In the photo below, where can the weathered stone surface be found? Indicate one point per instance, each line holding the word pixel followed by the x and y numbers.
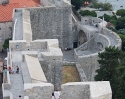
pixel 86 90
pixel 52 22
pixel 39 90
pixel 75 91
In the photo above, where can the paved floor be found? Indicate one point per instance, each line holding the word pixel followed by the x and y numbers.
pixel 68 55
pixel 17 87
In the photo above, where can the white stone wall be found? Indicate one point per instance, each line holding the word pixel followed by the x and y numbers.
pixel 86 90
pixel 5 32
pixel 75 91
pixel 39 90
pixel 21 45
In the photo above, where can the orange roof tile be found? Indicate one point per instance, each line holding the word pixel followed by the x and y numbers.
pixel 6 12
pixel 27 3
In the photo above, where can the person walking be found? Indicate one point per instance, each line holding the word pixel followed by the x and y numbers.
pixel 17 69
pixel 53 96
pixel 57 94
pixel 12 70
pixel 20 97
pixel 9 69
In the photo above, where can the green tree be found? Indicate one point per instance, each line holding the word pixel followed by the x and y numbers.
pixel 6 43
pixel 77 3
pixel 121 12
pixel 85 13
pixel 123 41
pixel 109 61
pixel 107 7
pixel 120 24
pixel 121 79
pixel 93 13
pixel 88 13
pixel 107 17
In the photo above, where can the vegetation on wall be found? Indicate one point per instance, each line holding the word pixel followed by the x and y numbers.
pixel 112 68
pixel 6 43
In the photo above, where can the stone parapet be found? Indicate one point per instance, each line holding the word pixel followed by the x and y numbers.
pixel 39 90
pixel 86 90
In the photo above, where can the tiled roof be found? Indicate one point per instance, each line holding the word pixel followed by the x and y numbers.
pixel 27 3
pixel 6 12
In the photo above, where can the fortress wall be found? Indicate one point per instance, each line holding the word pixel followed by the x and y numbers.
pixel 38 90
pixel 27 31
pixel 18 45
pixel 21 45
pixel 75 91
pixel 5 32
pixel 51 23
pixel 39 45
pixel 89 63
pixel 99 43
pixel 52 67
pixel 86 90
pixel 114 36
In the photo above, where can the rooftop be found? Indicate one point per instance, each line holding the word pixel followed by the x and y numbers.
pixel 6 10
pixel 27 3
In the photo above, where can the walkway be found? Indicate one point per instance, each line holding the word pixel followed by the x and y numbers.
pixel 113 41
pixel 18 27
pixel 17 86
pixel 68 56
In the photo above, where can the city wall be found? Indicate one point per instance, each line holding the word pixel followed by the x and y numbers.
pixel 51 23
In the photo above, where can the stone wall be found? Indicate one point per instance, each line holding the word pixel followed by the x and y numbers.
pixel 117 40
pixel 89 62
pixel 39 90
pixel 21 45
pixel 52 67
pixel 52 22
pixel 75 91
pixel 5 32
pixel 86 90
pixel 27 31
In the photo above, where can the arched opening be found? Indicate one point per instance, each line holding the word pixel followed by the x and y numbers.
pixel 82 37
pixel 99 46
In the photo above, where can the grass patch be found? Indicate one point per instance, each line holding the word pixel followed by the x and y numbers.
pixel 70 74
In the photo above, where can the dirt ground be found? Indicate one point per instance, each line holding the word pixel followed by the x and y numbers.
pixel 70 74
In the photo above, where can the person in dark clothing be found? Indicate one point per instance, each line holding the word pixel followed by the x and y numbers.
pixel 17 70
